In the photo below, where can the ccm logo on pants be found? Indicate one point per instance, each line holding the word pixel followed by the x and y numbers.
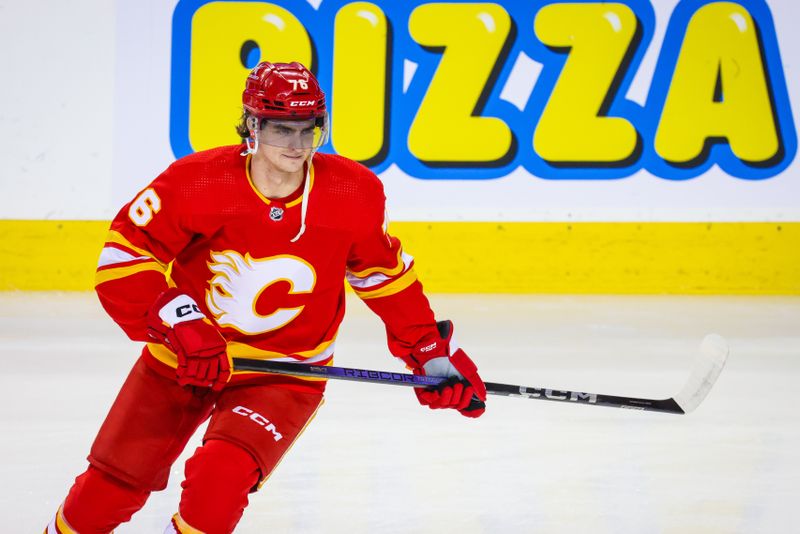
pixel 259 419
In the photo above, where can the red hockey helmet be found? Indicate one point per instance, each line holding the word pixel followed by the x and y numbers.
pixel 285 91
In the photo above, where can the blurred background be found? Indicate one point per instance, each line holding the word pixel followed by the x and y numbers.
pixel 588 188
pixel 541 147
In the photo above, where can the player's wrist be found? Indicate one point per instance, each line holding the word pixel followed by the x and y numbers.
pixel 432 353
pixel 175 306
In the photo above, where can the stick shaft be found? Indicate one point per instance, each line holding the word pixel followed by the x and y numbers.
pixel 404 379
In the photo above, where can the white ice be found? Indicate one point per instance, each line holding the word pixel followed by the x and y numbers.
pixel 375 461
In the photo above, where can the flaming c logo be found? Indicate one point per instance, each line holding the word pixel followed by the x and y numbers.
pixel 238 281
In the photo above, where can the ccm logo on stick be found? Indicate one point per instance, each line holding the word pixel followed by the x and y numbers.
pixel 575 396
pixel 259 419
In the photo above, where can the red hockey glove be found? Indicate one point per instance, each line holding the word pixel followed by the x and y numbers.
pixel 464 390
pixel 176 321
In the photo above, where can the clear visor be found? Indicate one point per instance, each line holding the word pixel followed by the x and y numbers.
pixel 303 134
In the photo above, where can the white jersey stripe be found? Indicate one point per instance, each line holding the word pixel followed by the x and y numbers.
pixel 377 278
pixel 111 256
pixel 324 355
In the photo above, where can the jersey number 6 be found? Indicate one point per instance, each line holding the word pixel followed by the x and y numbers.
pixel 144 207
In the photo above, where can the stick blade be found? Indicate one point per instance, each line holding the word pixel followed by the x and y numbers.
pixel 713 355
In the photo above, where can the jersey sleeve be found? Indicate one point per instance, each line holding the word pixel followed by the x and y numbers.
pixel 383 276
pixel 144 238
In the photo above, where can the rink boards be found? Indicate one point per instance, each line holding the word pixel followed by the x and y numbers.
pixel 504 257
pixel 501 173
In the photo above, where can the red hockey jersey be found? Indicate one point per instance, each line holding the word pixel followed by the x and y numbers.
pixel 203 226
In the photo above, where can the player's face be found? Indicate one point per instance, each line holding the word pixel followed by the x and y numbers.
pixel 287 144
pixel 291 134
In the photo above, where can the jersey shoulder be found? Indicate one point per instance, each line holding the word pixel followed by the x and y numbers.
pixel 206 164
pixel 203 175
pixel 346 181
pixel 349 194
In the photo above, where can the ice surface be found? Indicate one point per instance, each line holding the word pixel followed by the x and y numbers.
pixel 374 461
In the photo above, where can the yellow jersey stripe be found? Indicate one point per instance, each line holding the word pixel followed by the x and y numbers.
pixel 163 354
pixel 184 527
pixel 61 523
pixel 116 273
pixel 167 357
pixel 391 288
pixel 394 271
pixel 236 350
pixel 118 238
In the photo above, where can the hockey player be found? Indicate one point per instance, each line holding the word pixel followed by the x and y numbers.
pixel 242 251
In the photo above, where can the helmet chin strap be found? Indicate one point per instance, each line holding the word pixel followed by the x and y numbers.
pixel 304 204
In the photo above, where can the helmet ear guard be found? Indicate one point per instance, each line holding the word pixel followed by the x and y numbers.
pixel 252 127
pixel 252 124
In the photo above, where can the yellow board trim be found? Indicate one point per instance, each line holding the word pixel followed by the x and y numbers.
pixel 622 258
pixel 50 255
pixel 598 258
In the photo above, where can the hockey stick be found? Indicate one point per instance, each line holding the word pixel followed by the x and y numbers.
pixel 713 353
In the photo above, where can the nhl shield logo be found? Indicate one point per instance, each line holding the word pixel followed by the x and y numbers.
pixel 275 213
